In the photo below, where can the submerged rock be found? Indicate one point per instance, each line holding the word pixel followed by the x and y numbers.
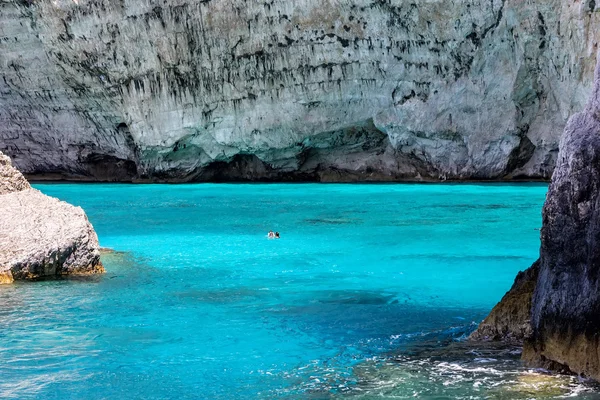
pixel 41 236
pixel 460 370
pixel 564 311
pixel 327 90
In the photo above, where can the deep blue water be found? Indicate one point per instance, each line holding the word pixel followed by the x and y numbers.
pixel 366 284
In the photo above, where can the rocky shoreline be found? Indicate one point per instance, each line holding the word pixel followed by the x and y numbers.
pixel 41 236
pixel 553 308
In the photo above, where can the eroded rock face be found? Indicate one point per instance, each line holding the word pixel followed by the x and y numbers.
pixel 11 180
pixel 41 236
pixel 566 304
pixel 559 297
pixel 310 89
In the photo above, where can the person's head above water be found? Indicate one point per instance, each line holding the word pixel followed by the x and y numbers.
pixel 277 235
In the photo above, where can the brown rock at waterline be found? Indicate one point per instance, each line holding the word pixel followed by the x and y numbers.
pixel 510 320
pixel 41 236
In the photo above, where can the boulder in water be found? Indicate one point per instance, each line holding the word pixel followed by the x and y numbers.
pixel 41 236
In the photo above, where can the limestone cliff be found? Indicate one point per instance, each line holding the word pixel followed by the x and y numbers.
pixel 41 236
pixel 304 89
pixel 559 296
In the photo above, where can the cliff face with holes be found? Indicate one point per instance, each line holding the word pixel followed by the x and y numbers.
pixel 305 89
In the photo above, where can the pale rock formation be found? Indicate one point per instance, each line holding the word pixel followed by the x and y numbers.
pixel 306 89
pixel 41 236
pixel 11 180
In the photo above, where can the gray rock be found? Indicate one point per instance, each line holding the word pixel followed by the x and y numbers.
pixel 183 90
pixel 566 304
pixel 41 236
pixel 559 296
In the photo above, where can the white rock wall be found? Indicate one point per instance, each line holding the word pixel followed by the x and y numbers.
pixel 304 89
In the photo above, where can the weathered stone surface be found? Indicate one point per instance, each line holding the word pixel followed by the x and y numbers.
pixel 41 236
pixel 510 320
pixel 564 311
pixel 11 180
pixel 566 304
pixel 178 89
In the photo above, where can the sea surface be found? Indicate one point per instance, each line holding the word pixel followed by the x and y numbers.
pixel 369 293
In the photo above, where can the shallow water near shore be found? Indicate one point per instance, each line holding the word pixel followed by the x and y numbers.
pixel 369 294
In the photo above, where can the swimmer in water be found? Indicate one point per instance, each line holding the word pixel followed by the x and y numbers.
pixel 277 235
pixel 271 235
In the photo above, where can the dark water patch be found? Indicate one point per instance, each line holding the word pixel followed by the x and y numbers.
pixel 475 206
pixel 376 320
pixel 184 205
pixel 332 221
pixel 421 222
pixel 222 296
pixel 357 297
pixel 450 258
pixel 141 336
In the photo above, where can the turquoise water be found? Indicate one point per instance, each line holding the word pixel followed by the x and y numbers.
pixel 365 287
